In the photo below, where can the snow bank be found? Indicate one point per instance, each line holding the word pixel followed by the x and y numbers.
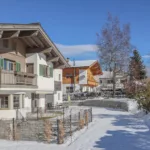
pixel 132 106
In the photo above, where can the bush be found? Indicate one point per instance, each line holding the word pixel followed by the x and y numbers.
pixel 143 97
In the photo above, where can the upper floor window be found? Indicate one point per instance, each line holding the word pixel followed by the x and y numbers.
pixel 5 43
pixel 101 81
pixel 30 68
pixel 8 65
pixel 45 71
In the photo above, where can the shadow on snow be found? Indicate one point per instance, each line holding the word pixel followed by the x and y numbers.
pixel 134 135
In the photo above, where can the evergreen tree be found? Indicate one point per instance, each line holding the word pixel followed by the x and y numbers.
pixel 137 68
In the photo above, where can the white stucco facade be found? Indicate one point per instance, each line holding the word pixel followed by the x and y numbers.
pixel 45 86
pixel 78 88
pixel 58 94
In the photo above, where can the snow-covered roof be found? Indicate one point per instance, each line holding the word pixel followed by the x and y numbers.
pixel 109 75
pixel 81 63
pixel 106 74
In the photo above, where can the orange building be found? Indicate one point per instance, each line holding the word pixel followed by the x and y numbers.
pixel 80 78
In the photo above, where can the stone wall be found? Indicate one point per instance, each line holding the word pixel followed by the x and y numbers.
pixel 100 103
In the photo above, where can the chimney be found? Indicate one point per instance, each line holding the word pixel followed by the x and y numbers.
pixel 68 60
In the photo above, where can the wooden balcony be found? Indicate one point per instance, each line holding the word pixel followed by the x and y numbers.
pixel 17 79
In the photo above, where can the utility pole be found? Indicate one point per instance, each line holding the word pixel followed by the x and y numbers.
pixel 74 73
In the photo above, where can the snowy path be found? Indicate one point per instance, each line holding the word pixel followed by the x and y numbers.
pixel 110 130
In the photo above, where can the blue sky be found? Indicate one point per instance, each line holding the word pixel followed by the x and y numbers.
pixel 73 24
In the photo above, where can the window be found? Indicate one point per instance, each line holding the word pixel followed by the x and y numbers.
pixel 69 89
pixel 45 71
pixel 59 77
pixel 30 68
pixel 8 65
pixel 101 81
pixel 5 64
pixel 5 43
pixel 122 81
pixel 109 81
pixel 16 101
pixel 3 101
pixel 58 96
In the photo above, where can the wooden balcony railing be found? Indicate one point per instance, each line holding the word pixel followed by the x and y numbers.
pixel 17 78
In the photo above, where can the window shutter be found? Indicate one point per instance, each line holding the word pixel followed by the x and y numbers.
pixel 1 63
pixel 51 72
pixel 18 67
pixel 40 70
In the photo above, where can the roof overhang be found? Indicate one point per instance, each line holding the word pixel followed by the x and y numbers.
pixel 36 41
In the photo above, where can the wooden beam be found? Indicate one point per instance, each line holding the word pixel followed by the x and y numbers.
pixel 35 33
pixel 48 50
pixel 34 50
pixel 37 40
pixel 54 59
pixel 27 42
pixel 59 66
pixel 33 42
pixel 38 50
pixel 16 34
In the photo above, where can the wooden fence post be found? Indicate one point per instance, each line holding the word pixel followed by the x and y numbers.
pixel 63 116
pixel 86 118
pixel 37 113
pixel 91 115
pixel 70 126
pixel 13 121
pixel 79 117
pixel 58 131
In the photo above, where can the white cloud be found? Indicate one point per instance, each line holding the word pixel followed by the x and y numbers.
pixel 71 50
pixel 146 56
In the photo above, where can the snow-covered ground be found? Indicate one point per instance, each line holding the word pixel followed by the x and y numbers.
pixel 110 130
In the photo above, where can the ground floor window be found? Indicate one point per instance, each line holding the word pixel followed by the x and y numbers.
pixel 69 89
pixel 3 101
pixel 16 101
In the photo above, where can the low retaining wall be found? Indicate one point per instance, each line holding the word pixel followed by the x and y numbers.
pixel 100 103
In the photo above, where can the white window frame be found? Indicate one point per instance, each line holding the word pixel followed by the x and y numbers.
pixel 17 101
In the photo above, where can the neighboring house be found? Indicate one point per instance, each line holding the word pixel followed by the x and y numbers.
pixel 106 80
pixel 30 70
pixel 80 78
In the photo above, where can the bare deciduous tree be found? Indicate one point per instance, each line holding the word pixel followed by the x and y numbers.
pixel 114 47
